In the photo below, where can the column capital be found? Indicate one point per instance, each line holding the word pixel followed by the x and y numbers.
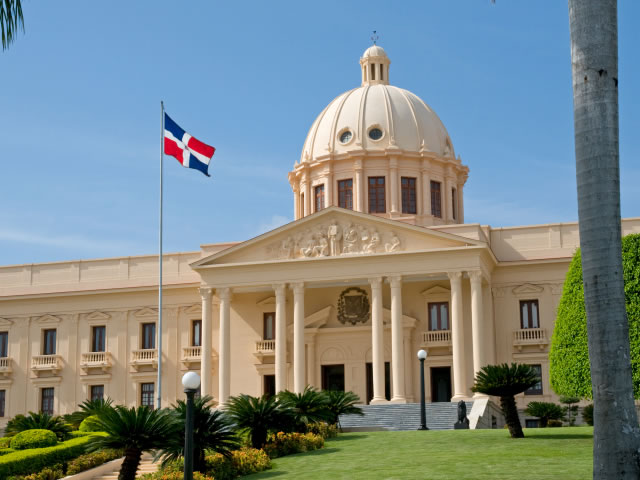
pixel 279 288
pixel 297 287
pixel 475 276
pixel 224 293
pixel 206 292
pixel 375 282
pixel 395 281
pixel 454 276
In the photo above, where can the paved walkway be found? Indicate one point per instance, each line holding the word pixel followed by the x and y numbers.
pixel 146 466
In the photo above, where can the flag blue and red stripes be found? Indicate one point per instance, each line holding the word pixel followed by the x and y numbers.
pixel 189 151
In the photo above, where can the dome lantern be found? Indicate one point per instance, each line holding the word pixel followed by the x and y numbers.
pixel 375 66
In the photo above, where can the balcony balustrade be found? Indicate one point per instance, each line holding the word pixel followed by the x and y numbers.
pixel 144 357
pixel 46 363
pixel 191 355
pixel 436 338
pixel 6 366
pixel 101 360
pixel 530 336
pixel 265 348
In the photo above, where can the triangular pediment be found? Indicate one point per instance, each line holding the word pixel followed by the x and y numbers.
pixel 146 312
pixel 336 232
pixel 5 322
pixel 49 319
pixel 98 316
pixel 527 288
pixel 437 290
pixel 266 302
pixel 193 309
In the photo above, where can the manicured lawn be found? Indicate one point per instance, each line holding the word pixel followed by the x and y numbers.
pixel 562 453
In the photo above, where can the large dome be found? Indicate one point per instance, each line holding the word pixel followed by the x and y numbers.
pixel 401 117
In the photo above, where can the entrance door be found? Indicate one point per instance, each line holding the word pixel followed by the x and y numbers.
pixel 387 381
pixel 440 384
pixel 333 377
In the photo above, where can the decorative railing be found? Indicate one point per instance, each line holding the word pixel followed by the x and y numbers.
pixel 147 356
pixel 191 353
pixel 6 365
pixel 46 362
pixel 530 336
pixel 265 346
pixel 95 359
pixel 437 336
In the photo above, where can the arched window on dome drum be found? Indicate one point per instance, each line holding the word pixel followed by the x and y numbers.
pixel 345 193
pixel 377 202
pixel 319 195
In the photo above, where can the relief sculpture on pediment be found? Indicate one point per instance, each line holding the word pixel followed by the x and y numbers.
pixel 335 239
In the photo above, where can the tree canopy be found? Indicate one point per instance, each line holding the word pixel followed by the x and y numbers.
pixel 569 356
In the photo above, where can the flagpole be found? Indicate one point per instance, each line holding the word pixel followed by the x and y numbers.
pixel 159 334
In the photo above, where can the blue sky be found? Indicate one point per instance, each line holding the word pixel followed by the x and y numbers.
pixel 80 113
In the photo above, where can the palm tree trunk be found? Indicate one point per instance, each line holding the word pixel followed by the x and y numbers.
pixel 199 463
pixel 594 58
pixel 510 412
pixel 130 464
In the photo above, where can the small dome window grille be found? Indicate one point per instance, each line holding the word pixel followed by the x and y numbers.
pixel 375 134
pixel 345 137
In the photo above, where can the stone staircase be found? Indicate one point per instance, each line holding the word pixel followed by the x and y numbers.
pixel 146 466
pixel 440 416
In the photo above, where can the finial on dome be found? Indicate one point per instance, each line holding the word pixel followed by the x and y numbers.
pixel 374 37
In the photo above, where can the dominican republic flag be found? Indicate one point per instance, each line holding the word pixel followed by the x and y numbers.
pixel 189 151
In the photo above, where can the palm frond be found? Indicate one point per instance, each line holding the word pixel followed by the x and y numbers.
pixel 10 20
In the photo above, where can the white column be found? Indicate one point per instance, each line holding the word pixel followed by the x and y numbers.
pixel 205 353
pixel 281 338
pixel 393 180
pixel 311 362
pixel 225 344
pixel 457 338
pixel 477 322
pixel 409 359
pixel 308 201
pixel 296 204
pixel 397 341
pixel 446 210
pixel 298 338
pixel 426 191
pixel 359 185
pixel 377 341
pixel 460 203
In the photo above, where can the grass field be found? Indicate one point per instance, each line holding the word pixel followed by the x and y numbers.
pixel 562 453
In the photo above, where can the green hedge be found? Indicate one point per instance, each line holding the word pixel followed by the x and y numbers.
pixel 90 424
pixel 34 438
pixel 5 442
pixel 91 460
pixel 569 355
pixel 25 462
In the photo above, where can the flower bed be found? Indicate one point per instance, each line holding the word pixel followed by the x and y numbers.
pixel 282 444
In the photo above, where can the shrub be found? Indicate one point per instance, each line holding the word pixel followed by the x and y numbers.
pixel 25 462
pixel 6 451
pixel 569 355
pixel 323 429
pixel 43 421
pixel 49 473
pixel 90 460
pixel 249 460
pixel 90 424
pixel 545 411
pixel 4 442
pixel 282 444
pixel 36 438
pixel 554 423
pixel 587 414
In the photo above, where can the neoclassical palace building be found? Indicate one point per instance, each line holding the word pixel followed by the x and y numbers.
pixel 377 264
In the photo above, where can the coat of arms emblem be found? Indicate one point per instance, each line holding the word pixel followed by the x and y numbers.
pixel 353 306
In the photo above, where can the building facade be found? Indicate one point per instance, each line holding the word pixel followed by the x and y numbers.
pixel 377 264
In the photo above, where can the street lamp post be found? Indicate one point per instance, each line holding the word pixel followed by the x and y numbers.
pixel 190 382
pixel 422 355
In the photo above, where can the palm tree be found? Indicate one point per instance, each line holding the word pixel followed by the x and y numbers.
pixel 594 60
pixel 545 411
pixel 212 432
pixel 135 430
pixel 341 403
pixel 506 381
pixel 10 19
pixel 44 421
pixel 258 415
pixel 307 407
pixel 87 409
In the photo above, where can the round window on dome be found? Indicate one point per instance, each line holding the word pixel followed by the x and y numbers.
pixel 375 134
pixel 346 136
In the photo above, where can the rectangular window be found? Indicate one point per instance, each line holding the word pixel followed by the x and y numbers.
pixel 454 203
pixel 46 400
pixel 97 392
pixel 381 76
pixel 49 342
pixel 269 323
pixel 319 191
pixel 345 194
pixel 529 314
pixel 408 195
pixel 196 333
pixel 438 316
pixel 537 388
pixel 146 394
pixel 376 195
pixel 148 335
pixel 98 338
pixel 436 200
pixel 3 396
pixel 4 344
pixel 302 204
pixel 373 71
